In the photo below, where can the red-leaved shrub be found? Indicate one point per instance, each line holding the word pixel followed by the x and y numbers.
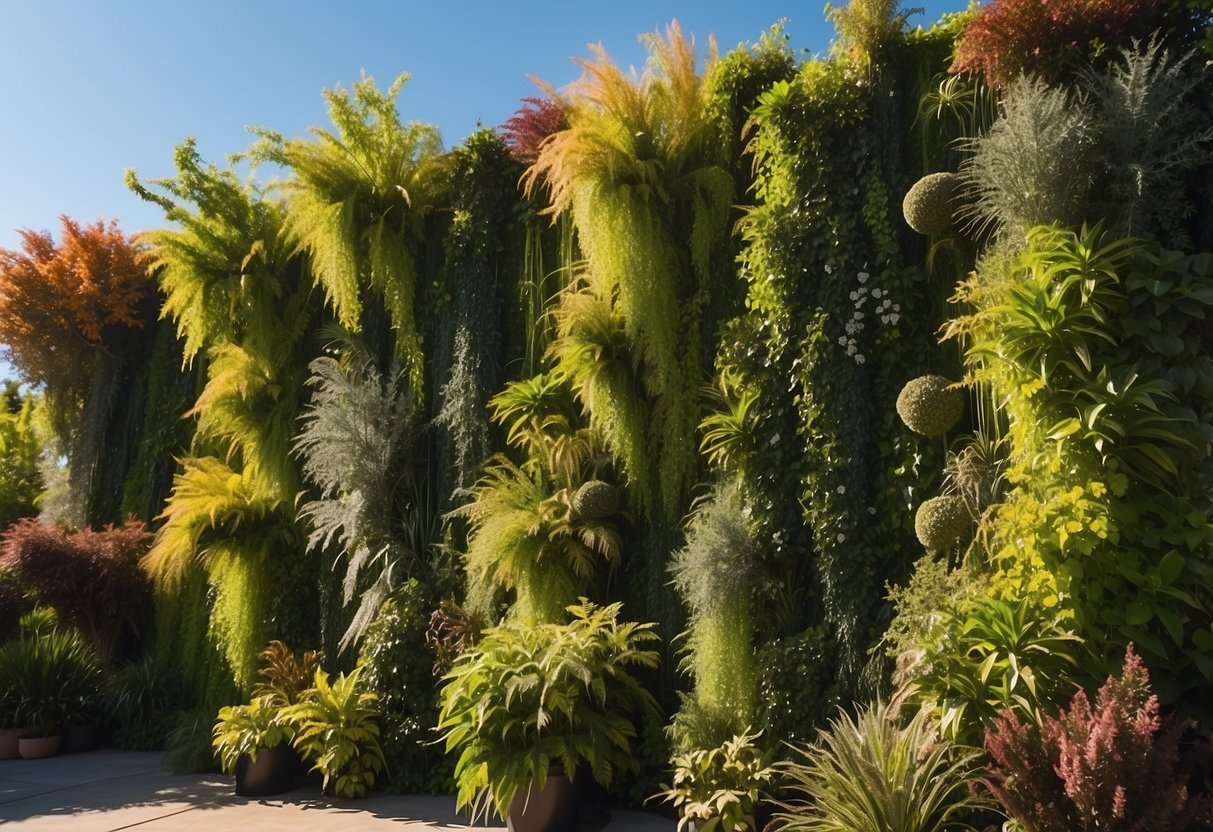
pixel 91 578
pixel 1114 767
pixel 1007 37
pixel 535 120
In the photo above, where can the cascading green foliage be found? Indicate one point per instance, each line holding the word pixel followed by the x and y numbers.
pixel 836 323
pixel 524 533
pixel 353 444
pixel 1099 349
pixel 357 201
pixel 641 170
pixel 234 291
pixel 714 575
pixel 481 248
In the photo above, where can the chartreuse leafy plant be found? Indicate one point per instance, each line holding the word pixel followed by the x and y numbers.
pixel 878 773
pixel 356 202
pixel 718 788
pixel 337 730
pixel 236 293
pixel 525 533
pixel 527 697
pixel 20 479
pixel 641 169
pixel 243 730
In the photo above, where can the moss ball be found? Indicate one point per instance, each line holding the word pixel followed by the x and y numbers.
pixel 930 405
pixel 930 204
pixel 940 522
pixel 596 499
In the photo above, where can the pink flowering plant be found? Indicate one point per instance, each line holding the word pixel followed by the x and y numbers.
pixel 1112 767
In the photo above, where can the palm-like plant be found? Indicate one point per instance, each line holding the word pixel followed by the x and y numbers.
pixel 357 201
pixel 639 168
pixel 876 774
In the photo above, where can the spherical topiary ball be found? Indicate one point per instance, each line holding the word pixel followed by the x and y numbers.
pixel 940 522
pixel 930 405
pixel 596 499
pixel 929 205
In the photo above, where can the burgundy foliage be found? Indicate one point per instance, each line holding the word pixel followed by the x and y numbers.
pixel 91 578
pixel 534 121
pixel 1112 767
pixel 1007 37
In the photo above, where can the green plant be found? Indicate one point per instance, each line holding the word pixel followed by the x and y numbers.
pixel 337 729
pixel 877 773
pixel 245 729
pixel 1114 766
pixel 20 480
pixel 55 676
pixel 930 405
pixel 526 697
pixel 941 522
pixel 867 28
pixel 930 204
pixel 141 699
pixel 14 603
pixel 398 666
pixel 714 575
pixel 718 788
pixel 993 655
pixel 189 742
pixel 796 685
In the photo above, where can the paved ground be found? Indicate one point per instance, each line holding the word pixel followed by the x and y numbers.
pixel 104 791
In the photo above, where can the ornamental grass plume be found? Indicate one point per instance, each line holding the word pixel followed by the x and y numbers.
pixel 1114 767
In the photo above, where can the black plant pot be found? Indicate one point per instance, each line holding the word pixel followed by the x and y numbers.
pixel 552 808
pixel 272 773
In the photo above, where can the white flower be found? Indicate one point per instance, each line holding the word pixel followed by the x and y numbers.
pixel 863 277
pixel 841 537
pixel 859 359
pixel 842 489
pixel 774 439
pixel 828 269
pixel 894 318
pixel 871 509
pixel 875 293
pixel 854 296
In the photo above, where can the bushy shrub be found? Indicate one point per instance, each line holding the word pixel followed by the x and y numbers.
pixel 930 204
pixel 930 405
pixel 1005 38
pixel 941 522
pixel 1113 767
pixel 398 665
pixel 91 578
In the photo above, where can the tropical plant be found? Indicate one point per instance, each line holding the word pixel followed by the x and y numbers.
pixel 243 730
pixel 718 788
pixel 352 443
pixel 526 697
pixel 91 578
pixel 357 201
pixel 54 677
pixel 640 168
pixel 20 478
pixel 285 675
pixel 877 773
pixel 337 730
pixel 714 574
pixel 994 655
pixel 1112 766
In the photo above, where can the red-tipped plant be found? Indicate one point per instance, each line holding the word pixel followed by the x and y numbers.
pixel 527 129
pixel 1112 767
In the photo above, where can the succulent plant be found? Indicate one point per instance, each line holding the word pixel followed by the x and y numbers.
pixel 596 499
pixel 941 521
pixel 930 204
pixel 930 405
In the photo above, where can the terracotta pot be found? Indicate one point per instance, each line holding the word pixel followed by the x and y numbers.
pixel 8 742
pixel 273 772
pixel 550 809
pixel 37 748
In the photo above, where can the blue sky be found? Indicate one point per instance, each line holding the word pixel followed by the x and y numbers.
pixel 93 88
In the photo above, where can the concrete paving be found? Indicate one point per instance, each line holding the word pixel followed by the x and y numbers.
pixel 105 791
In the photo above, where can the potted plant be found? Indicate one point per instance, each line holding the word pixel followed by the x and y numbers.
pixel 253 742
pixel 719 787
pixel 528 705
pixel 337 729
pixel 53 674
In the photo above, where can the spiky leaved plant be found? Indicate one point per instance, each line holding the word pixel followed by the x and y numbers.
pixel 352 446
pixel 641 170
pixel 235 293
pixel 714 575
pixel 357 200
